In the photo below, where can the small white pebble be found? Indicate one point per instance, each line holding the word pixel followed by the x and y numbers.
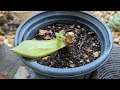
pixel 78 26
pixel 72 65
pixel 81 61
pixel 70 61
pixel 72 26
pixel 93 44
pixel 88 60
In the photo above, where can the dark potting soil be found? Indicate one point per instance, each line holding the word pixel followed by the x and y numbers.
pixel 84 49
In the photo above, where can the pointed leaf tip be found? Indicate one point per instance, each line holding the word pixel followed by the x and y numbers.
pixel 39 48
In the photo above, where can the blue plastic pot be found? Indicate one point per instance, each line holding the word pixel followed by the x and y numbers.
pixel 30 27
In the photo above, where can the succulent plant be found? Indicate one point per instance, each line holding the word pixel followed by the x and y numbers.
pixel 40 48
pixel 114 22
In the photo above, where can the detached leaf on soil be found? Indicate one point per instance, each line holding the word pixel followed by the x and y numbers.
pixel 40 48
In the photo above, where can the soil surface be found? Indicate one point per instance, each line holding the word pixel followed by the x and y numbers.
pixel 84 49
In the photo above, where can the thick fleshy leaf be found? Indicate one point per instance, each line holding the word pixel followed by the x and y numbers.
pixel 40 48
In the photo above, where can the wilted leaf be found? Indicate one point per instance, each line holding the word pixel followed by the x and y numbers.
pixel 40 48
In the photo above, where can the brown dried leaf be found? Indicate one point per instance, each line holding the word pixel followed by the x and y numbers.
pixel 85 56
pixel 47 37
pixel 45 58
pixel 96 54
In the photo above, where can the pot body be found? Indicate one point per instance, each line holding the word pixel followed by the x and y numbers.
pixel 31 26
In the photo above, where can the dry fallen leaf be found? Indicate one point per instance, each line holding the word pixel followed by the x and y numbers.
pixel 45 58
pixel 47 37
pixel 42 32
pixel 96 54
pixel 85 56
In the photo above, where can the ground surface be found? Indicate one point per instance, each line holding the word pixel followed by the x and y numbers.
pixel 9 62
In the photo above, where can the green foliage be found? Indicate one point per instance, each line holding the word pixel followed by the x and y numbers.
pixel 114 22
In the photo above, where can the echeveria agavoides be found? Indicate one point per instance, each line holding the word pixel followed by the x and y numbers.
pixel 40 48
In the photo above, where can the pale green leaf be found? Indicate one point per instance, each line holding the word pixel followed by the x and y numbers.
pixel 40 48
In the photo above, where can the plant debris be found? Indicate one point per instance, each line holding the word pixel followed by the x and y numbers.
pixel 47 37
pixel 42 32
pixel 96 54
pixel 84 46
